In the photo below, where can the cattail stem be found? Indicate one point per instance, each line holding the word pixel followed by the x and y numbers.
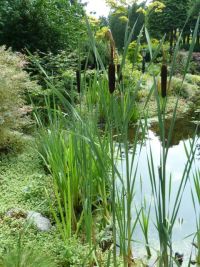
pixel 164 80
pixel 78 80
pixel 119 74
pixel 111 77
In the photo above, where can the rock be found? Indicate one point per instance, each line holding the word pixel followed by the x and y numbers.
pixel 42 223
pixel 16 213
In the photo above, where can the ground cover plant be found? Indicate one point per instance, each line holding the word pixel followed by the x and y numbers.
pixel 80 169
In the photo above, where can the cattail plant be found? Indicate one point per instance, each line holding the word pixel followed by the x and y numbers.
pixel 111 77
pixel 111 67
pixel 164 76
pixel 78 80
pixel 164 80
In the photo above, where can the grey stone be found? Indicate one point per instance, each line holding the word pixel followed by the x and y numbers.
pixel 39 221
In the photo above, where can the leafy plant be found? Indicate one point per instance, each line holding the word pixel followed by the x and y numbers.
pixel 40 25
pixel 14 84
pixel 25 256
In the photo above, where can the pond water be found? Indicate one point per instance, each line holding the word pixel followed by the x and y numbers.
pixel 185 225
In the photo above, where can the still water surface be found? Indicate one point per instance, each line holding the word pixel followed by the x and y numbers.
pixel 185 225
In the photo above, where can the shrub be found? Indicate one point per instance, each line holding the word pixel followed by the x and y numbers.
pixel 132 51
pixel 14 83
pixel 193 79
pixel 181 60
pixel 43 25
pixel 55 66
pixel 185 90
pixel 154 45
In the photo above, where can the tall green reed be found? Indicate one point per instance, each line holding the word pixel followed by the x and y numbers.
pixel 166 212
pixel 196 203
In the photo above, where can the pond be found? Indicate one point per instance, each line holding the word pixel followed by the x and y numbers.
pixel 185 225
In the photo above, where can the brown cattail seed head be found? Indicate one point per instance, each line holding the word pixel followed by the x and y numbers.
pixel 78 80
pixel 111 77
pixel 119 74
pixel 164 80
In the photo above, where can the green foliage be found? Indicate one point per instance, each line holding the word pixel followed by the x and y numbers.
pixel 13 85
pixel 132 52
pixel 56 66
pixel 185 90
pixel 171 18
pixel 176 16
pixel 154 47
pixel 23 180
pixel 181 60
pixel 40 25
pixel 193 79
pixel 22 256
pixel 118 24
pixel 78 178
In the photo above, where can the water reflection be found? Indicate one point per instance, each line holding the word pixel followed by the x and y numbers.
pixel 184 129
pixel 185 225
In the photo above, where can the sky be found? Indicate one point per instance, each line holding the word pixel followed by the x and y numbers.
pixel 98 6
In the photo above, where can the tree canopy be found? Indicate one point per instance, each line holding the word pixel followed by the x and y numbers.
pixel 173 18
pixel 118 19
pixel 45 25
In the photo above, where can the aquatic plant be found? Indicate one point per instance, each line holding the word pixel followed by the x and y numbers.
pixel 164 80
pixel 196 202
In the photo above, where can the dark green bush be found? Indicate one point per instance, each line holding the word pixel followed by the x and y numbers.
pixel 46 25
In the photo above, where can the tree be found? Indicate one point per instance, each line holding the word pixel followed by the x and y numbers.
pixel 194 13
pixel 167 22
pixel 45 25
pixel 103 21
pixel 118 21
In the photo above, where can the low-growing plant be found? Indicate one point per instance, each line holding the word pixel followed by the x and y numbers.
pixel 25 256
pixel 193 79
pixel 183 89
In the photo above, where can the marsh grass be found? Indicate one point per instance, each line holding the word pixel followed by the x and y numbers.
pixel 196 203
